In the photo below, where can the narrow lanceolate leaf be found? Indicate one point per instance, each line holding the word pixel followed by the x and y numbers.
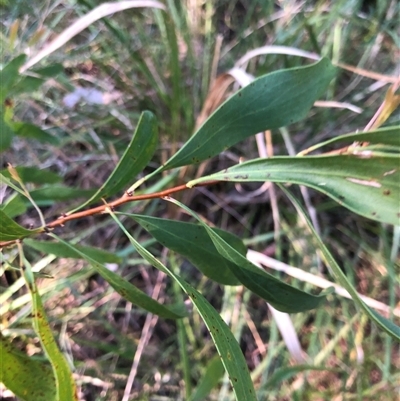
pixel 225 342
pixel 192 241
pixel 10 230
pixel 133 161
pixel 271 101
pixel 388 137
pixel 280 295
pixel 367 185
pixel 65 385
pixel 28 378
pixel 387 325
pixel 125 288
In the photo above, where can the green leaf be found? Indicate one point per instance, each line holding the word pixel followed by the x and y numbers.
pixel 387 325
pixel 213 374
pixel 389 136
pixel 27 84
pixel 280 295
pixel 59 193
pixel 28 378
pixel 133 161
pixel 369 186
pixel 126 289
pixel 271 101
pixel 27 130
pixel 10 230
pixel 50 71
pixel 9 76
pixel 6 181
pixel 34 174
pixel 225 342
pixel 65 385
pixel 14 206
pixel 63 251
pixel 192 241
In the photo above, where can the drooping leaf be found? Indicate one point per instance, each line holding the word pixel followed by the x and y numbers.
pixel 10 230
pixel 280 295
pixel 34 174
pixel 65 385
pixel 387 325
pixel 28 378
pixel 271 101
pixel 125 288
pixel 63 251
pixel 133 161
pixel 192 241
pixel 369 186
pixel 225 342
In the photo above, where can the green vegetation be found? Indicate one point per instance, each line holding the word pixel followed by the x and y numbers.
pixel 200 200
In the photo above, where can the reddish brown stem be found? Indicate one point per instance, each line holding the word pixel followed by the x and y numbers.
pixel 102 209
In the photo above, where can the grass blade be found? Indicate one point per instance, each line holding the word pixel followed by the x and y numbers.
pixel 127 290
pixel 82 23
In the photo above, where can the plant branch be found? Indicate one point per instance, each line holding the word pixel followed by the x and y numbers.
pixel 126 198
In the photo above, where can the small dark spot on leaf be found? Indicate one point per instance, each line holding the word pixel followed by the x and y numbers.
pixel 386 192
pixel 373 213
